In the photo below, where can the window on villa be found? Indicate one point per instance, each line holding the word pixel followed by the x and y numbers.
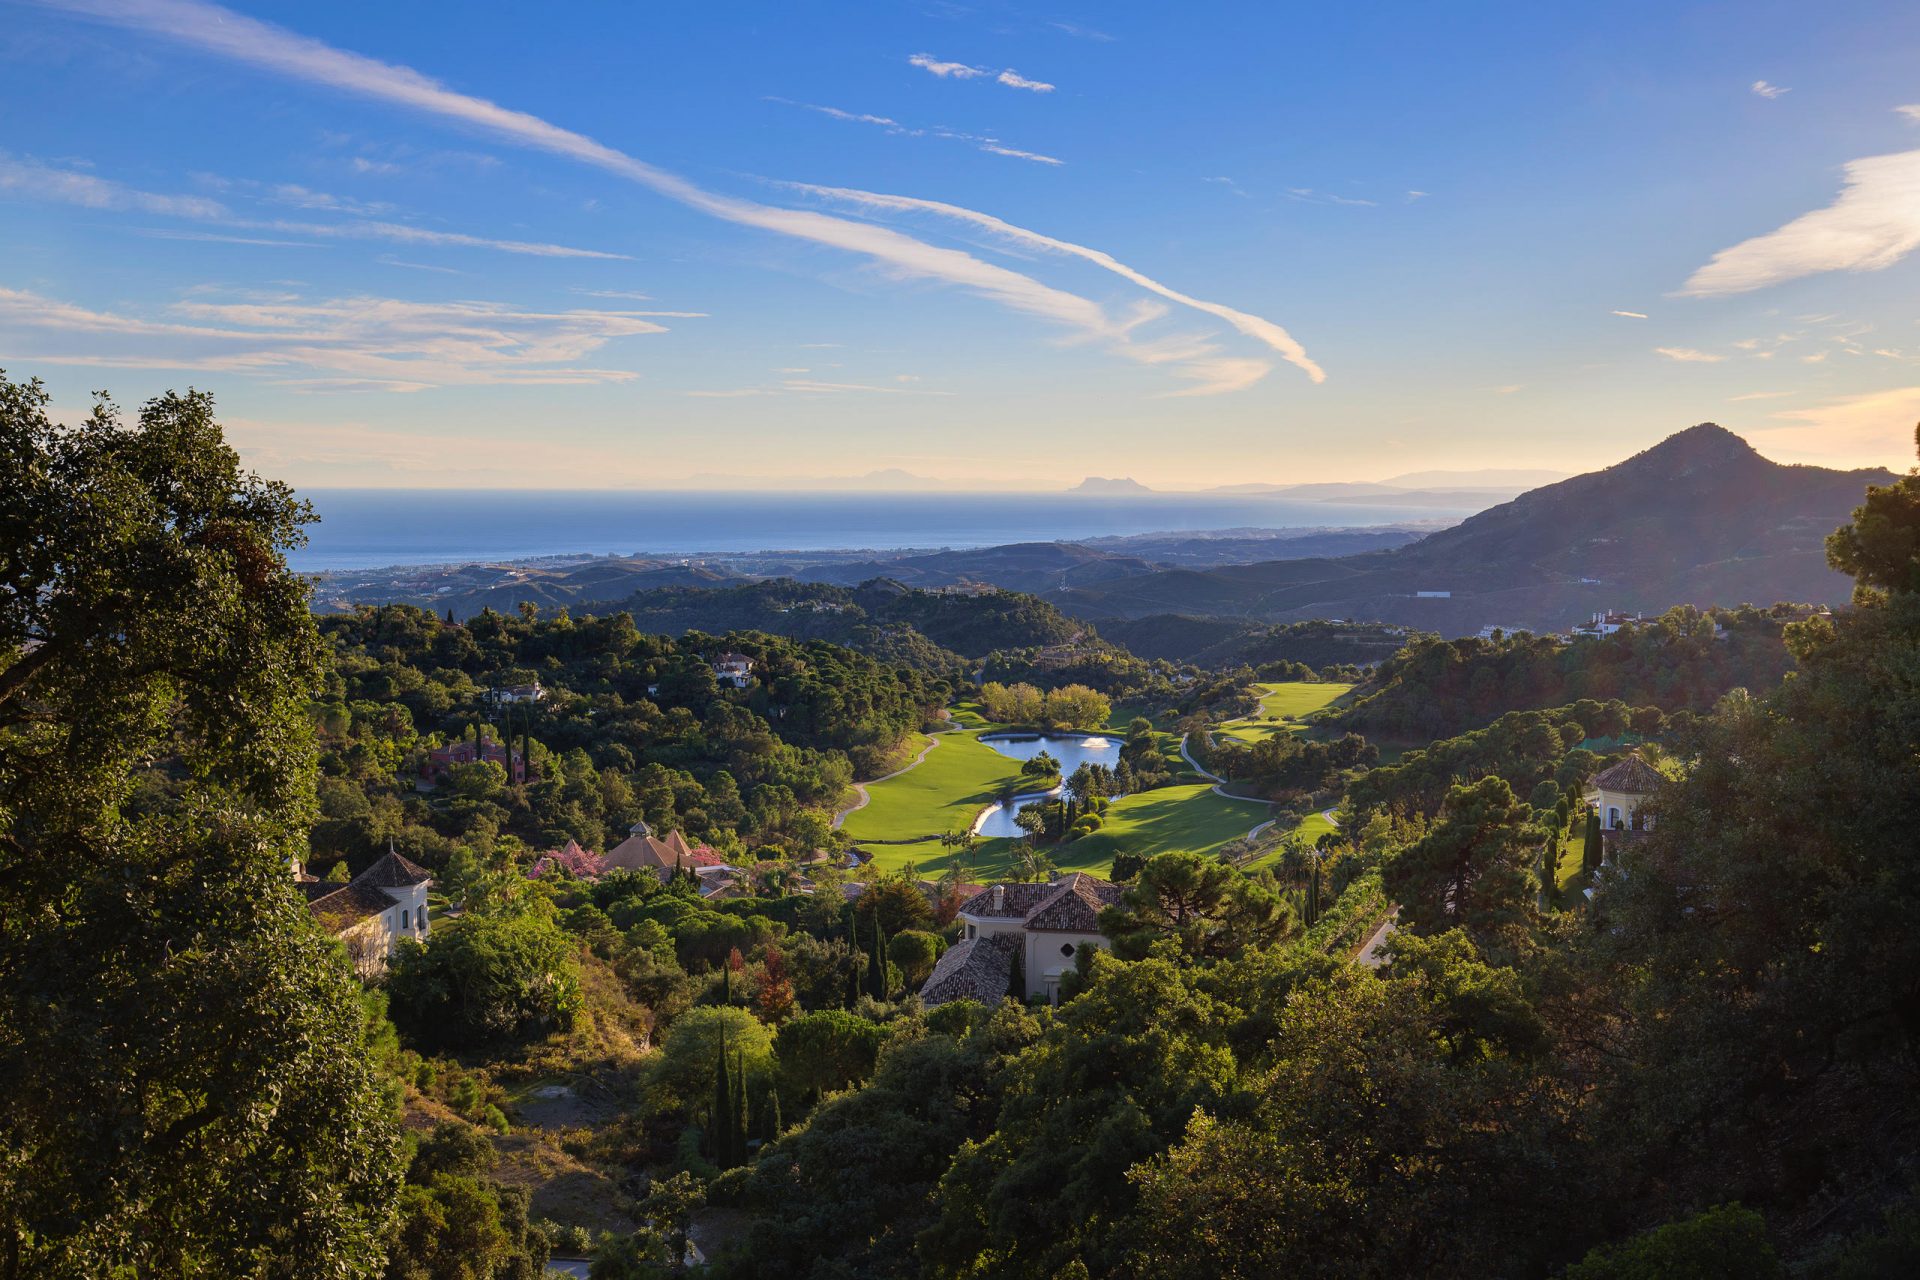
pixel 1066 948
pixel 1613 819
pixel 403 919
pixel 971 931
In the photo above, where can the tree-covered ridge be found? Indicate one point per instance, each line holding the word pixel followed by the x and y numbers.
pixel 1680 661
pixel 632 727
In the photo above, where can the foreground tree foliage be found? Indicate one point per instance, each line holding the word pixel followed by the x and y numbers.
pixel 180 1059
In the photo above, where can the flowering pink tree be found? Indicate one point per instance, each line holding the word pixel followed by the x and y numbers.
pixel 575 861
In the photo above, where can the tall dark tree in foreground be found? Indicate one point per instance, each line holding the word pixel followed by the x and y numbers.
pixel 1763 929
pixel 179 1047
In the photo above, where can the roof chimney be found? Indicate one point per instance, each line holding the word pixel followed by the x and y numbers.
pixel 999 898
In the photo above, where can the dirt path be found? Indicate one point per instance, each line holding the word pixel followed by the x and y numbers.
pixel 933 741
pixel 1219 787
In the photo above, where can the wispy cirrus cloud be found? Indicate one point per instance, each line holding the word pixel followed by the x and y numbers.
pixel 1688 355
pixel 1255 327
pixel 1867 429
pixel 26 179
pixel 1307 195
pixel 966 71
pixel 29 180
pixel 1874 223
pixel 1761 89
pixel 1631 315
pixel 980 142
pixel 351 343
pixel 259 44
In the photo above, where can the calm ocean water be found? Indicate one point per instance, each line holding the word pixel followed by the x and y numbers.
pixel 368 528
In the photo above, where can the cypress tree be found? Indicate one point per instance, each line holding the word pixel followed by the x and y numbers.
pixel 740 1110
pixel 720 1126
pixel 1591 850
pixel 773 1114
pixel 726 984
pixel 877 978
pixel 853 960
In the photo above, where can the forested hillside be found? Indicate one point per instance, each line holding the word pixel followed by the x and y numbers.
pixel 1680 661
pixel 633 727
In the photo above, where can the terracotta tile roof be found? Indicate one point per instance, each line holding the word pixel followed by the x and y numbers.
pixel 975 969
pixel 394 872
pixel 1070 904
pixel 349 904
pixel 1076 907
pixel 1632 775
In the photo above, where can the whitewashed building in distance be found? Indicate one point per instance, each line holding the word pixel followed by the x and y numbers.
pixel 372 912
pixel 734 669
pixel 1039 927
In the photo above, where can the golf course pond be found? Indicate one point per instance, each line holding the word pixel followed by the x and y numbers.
pixel 1071 750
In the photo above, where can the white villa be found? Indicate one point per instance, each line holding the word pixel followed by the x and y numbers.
pixel 372 912
pixel 1042 925
pixel 734 669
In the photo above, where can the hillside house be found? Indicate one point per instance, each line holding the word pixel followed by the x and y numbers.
pixel 372 912
pixel 644 851
pixel 441 760
pixel 1616 794
pixel 735 669
pixel 514 694
pixel 1605 624
pixel 1039 927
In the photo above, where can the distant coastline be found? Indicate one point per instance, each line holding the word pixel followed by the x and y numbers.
pixel 378 528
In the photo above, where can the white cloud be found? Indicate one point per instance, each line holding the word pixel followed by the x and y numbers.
pixel 1870 429
pixel 259 44
pixel 892 126
pixel 955 70
pixel 963 71
pixel 1762 89
pixel 352 343
pixel 1632 315
pixel 998 150
pixel 1759 395
pixel 1510 389
pixel 1415 195
pixel 1873 224
pixel 33 181
pixel 1014 80
pixel 1687 355
pixel 1230 185
pixel 64 186
pixel 1307 195
pixel 1256 327
pixel 1911 113
pixel 1080 32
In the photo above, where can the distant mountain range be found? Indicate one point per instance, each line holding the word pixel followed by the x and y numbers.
pixel 1700 518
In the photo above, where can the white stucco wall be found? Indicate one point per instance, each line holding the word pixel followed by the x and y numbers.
pixel 1044 962
pixel 1617 808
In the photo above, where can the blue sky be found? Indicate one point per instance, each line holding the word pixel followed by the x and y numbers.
pixel 619 245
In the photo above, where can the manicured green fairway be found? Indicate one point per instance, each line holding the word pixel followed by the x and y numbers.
pixel 1282 706
pixel 943 793
pixel 1183 817
pixel 1312 828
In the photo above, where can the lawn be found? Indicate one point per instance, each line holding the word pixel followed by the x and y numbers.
pixel 1314 826
pixel 1282 707
pixel 943 793
pixel 1184 817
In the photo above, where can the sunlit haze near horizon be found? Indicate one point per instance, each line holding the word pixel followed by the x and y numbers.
pixel 986 246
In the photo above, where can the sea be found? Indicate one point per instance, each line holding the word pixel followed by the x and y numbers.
pixel 375 528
